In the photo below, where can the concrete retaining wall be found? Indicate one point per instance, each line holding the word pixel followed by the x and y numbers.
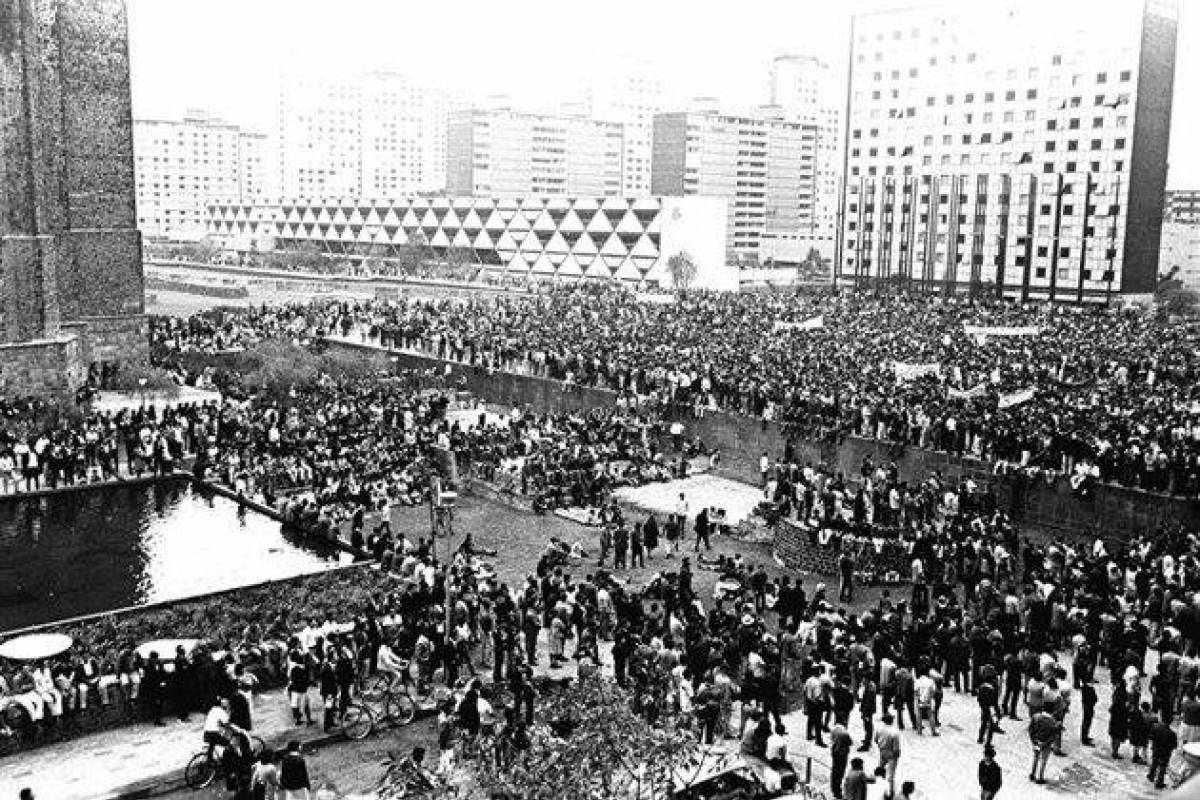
pixel 1114 512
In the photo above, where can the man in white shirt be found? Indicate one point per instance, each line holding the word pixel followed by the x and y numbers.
pixel 390 664
pixel 217 726
pixel 925 690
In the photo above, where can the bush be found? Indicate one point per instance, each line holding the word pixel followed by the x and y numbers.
pixel 339 595
pixel 130 377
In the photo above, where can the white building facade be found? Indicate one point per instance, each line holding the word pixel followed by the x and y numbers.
pixel 564 238
pixel 1180 253
pixel 1018 148
pixel 631 98
pixel 181 166
pixel 763 166
pixel 807 89
pixel 376 135
pixel 501 152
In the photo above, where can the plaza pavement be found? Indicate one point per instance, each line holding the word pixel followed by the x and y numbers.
pixel 142 760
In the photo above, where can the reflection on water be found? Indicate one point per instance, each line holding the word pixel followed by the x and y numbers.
pixel 74 553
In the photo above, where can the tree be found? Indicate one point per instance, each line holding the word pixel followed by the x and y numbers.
pixel 276 366
pixel 412 255
pixel 682 270
pixel 372 258
pixel 587 743
pixel 814 267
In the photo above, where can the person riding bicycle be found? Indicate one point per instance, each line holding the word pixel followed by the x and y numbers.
pixel 218 730
pixel 388 663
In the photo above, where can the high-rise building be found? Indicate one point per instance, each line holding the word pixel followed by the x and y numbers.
pixel 762 165
pixel 376 135
pixel 1180 254
pixel 806 89
pixel 1183 206
pixel 1016 147
pixel 503 153
pixel 182 165
pixel 631 97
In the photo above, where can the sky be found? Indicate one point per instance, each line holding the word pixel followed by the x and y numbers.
pixel 227 56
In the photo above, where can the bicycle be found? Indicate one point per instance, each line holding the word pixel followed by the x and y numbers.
pixel 394 704
pixel 209 764
pixel 357 722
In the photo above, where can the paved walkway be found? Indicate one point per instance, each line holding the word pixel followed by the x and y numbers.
pixel 738 499
pixel 122 760
pixel 125 760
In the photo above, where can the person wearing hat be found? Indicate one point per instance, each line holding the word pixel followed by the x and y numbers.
pixel 990 775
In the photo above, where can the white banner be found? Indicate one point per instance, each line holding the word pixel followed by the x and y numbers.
pixel 807 325
pixel 910 372
pixel 968 394
pixel 981 330
pixel 1016 398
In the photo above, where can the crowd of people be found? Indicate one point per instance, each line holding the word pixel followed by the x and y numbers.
pixel 1093 393
pixel 1022 627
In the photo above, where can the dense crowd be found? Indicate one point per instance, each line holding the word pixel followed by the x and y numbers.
pixel 1022 627
pixel 1095 393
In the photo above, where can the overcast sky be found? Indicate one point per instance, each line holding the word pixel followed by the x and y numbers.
pixel 227 56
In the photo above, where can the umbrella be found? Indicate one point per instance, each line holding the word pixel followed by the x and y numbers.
pixel 166 647
pixel 35 646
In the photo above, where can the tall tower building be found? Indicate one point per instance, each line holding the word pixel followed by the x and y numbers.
pixel 631 98
pixel 762 165
pixel 182 165
pixel 377 135
pixel 1017 148
pixel 502 153
pixel 806 89
pixel 71 293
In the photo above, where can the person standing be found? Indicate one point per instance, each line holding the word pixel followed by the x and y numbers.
pixel 1163 742
pixel 887 739
pixel 637 548
pixel 620 546
pixel 703 530
pixel 293 774
pixel 986 695
pixel 1043 732
pixel 814 708
pixel 926 690
pixel 855 785
pixel 867 707
pixel 846 578
pixel 154 681
pixel 1118 718
pixel 990 776
pixel 264 779
pixel 298 683
pixel 839 748
pixel 1087 697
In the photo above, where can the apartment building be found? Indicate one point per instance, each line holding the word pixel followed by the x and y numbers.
pixel 1018 148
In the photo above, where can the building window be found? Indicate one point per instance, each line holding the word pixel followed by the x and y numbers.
pixel 1126 75
pixel 1102 77
pixel 1073 124
pixel 1119 144
pixel 1051 124
pixel 1097 122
